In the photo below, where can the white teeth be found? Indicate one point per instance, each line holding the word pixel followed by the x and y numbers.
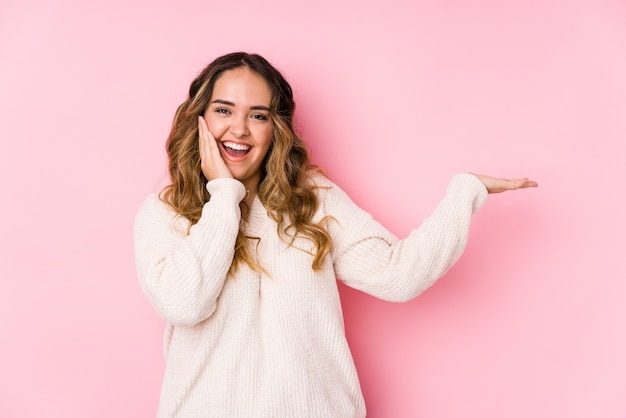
pixel 238 147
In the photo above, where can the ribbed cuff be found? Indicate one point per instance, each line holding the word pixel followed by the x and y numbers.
pixel 466 184
pixel 226 188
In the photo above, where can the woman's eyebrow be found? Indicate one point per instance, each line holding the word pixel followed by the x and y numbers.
pixel 224 102
pixel 227 103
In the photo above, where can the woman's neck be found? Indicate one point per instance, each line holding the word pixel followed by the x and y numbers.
pixel 251 186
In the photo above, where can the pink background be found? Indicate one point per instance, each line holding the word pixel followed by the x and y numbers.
pixel 393 97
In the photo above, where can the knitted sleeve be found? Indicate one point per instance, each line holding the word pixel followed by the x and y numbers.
pixel 368 257
pixel 182 274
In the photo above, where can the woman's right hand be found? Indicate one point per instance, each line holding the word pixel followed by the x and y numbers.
pixel 211 161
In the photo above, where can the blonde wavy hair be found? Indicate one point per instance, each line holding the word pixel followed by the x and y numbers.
pixel 285 189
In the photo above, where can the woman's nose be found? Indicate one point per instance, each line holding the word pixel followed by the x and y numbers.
pixel 239 126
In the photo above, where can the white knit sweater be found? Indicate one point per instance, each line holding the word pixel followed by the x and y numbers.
pixel 259 346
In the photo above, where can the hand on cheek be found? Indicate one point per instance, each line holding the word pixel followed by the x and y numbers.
pixel 212 163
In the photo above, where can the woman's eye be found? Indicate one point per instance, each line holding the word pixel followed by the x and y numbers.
pixel 259 116
pixel 221 110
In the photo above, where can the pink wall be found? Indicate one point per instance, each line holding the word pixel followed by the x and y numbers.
pixel 394 97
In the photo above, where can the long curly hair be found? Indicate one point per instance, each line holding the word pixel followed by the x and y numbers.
pixel 285 188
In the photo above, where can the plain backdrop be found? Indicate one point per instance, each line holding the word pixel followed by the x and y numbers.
pixel 393 97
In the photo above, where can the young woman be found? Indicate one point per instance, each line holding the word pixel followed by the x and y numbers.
pixel 241 252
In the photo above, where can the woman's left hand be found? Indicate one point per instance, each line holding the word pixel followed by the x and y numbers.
pixel 499 185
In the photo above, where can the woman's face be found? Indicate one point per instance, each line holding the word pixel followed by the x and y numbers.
pixel 238 116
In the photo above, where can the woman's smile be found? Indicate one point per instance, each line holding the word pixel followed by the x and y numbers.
pixel 235 150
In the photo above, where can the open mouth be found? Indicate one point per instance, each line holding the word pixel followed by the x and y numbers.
pixel 236 150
